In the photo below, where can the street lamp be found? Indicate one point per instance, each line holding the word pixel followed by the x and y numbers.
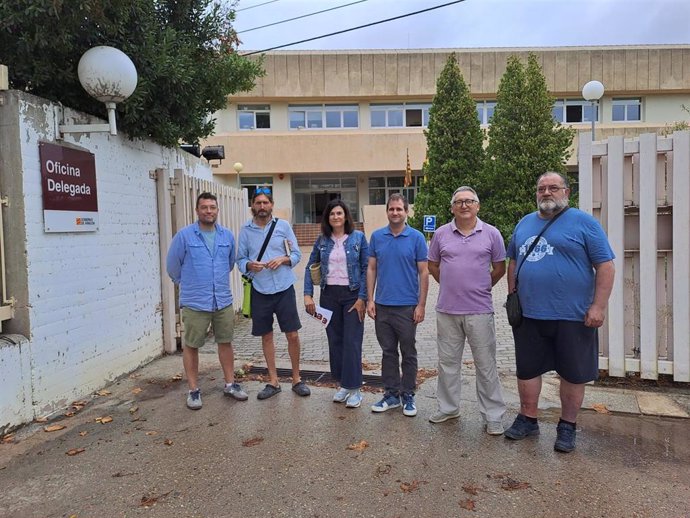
pixel 237 166
pixel 592 92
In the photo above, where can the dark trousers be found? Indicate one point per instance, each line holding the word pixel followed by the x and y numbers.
pixel 395 326
pixel 345 333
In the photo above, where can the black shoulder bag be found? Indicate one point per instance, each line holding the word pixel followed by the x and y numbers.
pixel 513 306
pixel 247 279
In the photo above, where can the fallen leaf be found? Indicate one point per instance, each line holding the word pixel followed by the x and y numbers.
pixel 467 504
pixel 408 487
pixel 149 500
pixel 43 419
pixel 75 451
pixel 600 408
pixel 358 446
pixel 369 366
pixel 152 432
pixel 78 405
pixel 6 439
pixel 133 409
pixel 252 442
pixel 471 489
pixel 342 417
pixel 133 376
pixel 104 419
pixel 168 442
pixel 383 470
pixel 84 433
pixel 136 390
pixel 103 392
pixel 69 414
pixel 176 377
pixel 54 427
pixel 510 484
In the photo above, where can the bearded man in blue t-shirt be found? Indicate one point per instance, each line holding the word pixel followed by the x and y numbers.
pixel 564 287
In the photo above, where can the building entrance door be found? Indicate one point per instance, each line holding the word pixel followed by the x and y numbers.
pixel 320 202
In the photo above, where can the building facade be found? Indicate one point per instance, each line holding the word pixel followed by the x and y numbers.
pixel 327 124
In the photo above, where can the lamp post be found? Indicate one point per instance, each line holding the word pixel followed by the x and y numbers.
pixel 592 92
pixel 237 166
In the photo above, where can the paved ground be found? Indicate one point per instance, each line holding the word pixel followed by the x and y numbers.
pixel 135 450
pixel 315 346
pixel 292 457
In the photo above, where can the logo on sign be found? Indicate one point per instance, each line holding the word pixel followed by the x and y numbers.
pixel 429 223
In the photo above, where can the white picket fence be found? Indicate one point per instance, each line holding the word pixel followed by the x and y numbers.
pixel 640 191
pixel 176 208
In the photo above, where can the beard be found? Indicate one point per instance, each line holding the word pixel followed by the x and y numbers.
pixel 261 213
pixel 551 206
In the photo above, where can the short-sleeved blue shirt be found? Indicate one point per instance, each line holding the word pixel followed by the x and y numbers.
pixel 557 279
pixel 397 276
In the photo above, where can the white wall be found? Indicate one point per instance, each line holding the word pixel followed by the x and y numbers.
pixel 94 297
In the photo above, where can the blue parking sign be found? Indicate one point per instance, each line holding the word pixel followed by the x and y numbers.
pixel 429 223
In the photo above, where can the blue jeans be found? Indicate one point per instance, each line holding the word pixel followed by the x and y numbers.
pixel 395 326
pixel 345 333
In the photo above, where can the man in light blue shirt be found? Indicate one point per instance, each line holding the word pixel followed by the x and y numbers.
pixel 273 289
pixel 199 261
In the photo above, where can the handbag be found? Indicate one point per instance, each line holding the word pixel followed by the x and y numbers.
pixel 247 279
pixel 512 305
pixel 315 273
pixel 315 268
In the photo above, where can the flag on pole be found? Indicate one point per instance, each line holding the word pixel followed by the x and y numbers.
pixel 408 171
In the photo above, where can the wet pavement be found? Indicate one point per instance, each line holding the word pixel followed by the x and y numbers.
pixel 308 457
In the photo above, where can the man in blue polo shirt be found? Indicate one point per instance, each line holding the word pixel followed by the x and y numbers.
pixel 399 271
pixel 200 259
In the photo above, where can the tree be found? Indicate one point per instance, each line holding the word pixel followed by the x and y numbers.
pixel 184 51
pixel 454 146
pixel 524 142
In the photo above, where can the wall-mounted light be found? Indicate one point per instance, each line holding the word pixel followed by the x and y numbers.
pixel 108 75
pixel 194 149
pixel 214 153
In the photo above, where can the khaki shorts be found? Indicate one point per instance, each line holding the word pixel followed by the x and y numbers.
pixel 196 326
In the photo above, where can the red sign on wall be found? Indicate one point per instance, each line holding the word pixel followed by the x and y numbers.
pixel 68 178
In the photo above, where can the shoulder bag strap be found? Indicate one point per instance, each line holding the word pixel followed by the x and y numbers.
pixel 268 238
pixel 534 243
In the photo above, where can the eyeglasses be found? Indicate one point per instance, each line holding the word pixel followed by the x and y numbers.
pixel 262 190
pixel 551 188
pixel 465 203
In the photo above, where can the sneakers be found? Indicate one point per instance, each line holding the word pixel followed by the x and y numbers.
pixel 341 395
pixel 565 437
pixel 268 391
pixel 389 401
pixel 494 427
pixel 409 408
pixel 300 388
pixel 521 428
pixel 440 417
pixel 234 390
pixel 355 399
pixel 194 399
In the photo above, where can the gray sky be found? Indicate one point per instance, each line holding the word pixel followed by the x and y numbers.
pixel 472 23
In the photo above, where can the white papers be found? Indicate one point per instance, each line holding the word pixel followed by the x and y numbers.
pixel 323 315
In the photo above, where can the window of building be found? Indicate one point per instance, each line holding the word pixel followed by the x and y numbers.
pixel 252 183
pixel 485 110
pixel 623 110
pixel 381 188
pixel 254 116
pixel 400 115
pixel 318 116
pixel 572 110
